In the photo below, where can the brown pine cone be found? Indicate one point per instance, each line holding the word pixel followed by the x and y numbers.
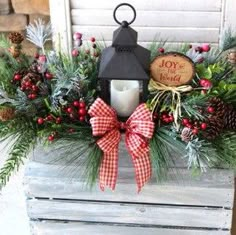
pixel 6 113
pixel 16 37
pixel 230 118
pixel 215 121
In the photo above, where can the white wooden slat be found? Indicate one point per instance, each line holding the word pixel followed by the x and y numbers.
pixel 230 14
pixel 152 18
pixel 161 194
pixel 161 5
pixel 76 228
pixel 141 214
pixel 61 23
pixel 150 33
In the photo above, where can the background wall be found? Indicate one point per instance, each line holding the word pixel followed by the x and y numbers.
pixel 16 14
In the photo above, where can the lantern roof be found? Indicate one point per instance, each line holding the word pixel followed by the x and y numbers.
pixel 124 65
pixel 124 36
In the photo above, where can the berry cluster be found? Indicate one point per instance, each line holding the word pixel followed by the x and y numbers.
pixel 165 117
pixel 194 125
pixel 78 42
pixel 77 110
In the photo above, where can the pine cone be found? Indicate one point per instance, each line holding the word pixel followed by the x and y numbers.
pixel 34 67
pixel 215 121
pixel 6 113
pixel 30 76
pixel 230 118
pixel 186 134
pixel 232 57
pixel 16 37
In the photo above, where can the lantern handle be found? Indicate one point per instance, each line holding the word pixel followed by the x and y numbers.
pixel 124 23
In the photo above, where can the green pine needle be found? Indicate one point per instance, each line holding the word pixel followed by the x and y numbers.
pixel 162 146
pixel 22 146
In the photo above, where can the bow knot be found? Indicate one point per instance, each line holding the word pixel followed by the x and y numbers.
pixel 138 130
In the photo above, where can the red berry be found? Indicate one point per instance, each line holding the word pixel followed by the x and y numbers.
pixel 49 117
pixel 75 52
pixel 161 50
pixel 94 46
pixel 206 47
pixel 87 51
pixel 202 82
pixel 40 121
pixel 77 35
pixel 185 121
pixel 203 126
pixel 76 103
pixel 42 58
pixel 69 110
pixel 82 112
pixel 171 118
pixel 92 39
pixel 195 131
pixel 17 77
pixel 33 96
pixel 22 88
pixel 35 88
pixel 189 126
pixel 58 120
pixel 51 138
pixel 36 55
pixel 48 75
pixel 28 84
pixel 82 118
pixel 164 116
pixel 166 120
pixel 155 116
pixel 82 104
pixel 210 109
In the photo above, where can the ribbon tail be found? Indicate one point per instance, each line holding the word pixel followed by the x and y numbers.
pixel 108 170
pixel 143 170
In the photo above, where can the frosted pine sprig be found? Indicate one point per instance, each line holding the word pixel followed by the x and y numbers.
pixel 39 33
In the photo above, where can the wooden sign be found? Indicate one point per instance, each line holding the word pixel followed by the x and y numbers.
pixel 172 69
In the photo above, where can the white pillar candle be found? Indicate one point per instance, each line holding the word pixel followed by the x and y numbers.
pixel 124 96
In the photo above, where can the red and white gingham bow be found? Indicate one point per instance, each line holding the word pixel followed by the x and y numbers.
pixel 138 130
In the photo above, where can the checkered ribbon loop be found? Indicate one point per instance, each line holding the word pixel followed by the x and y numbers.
pixel 138 130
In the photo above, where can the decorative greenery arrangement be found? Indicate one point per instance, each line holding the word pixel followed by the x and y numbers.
pixel 46 98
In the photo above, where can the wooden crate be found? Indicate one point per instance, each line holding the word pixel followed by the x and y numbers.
pixel 60 204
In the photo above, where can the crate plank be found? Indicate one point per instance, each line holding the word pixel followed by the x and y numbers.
pixel 152 19
pixel 161 5
pixel 178 34
pixel 75 228
pixel 143 214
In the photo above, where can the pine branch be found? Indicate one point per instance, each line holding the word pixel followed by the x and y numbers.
pixel 193 104
pixel 228 40
pixel 23 144
pixel 162 146
pixel 39 33
pixel 201 155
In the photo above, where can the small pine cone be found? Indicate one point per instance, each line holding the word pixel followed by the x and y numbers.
pixel 30 76
pixel 34 67
pixel 186 134
pixel 232 57
pixel 230 118
pixel 6 113
pixel 16 37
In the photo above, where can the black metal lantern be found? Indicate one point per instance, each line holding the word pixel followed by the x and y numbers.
pixel 124 69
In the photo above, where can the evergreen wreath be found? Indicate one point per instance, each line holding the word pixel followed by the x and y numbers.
pixel 45 99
